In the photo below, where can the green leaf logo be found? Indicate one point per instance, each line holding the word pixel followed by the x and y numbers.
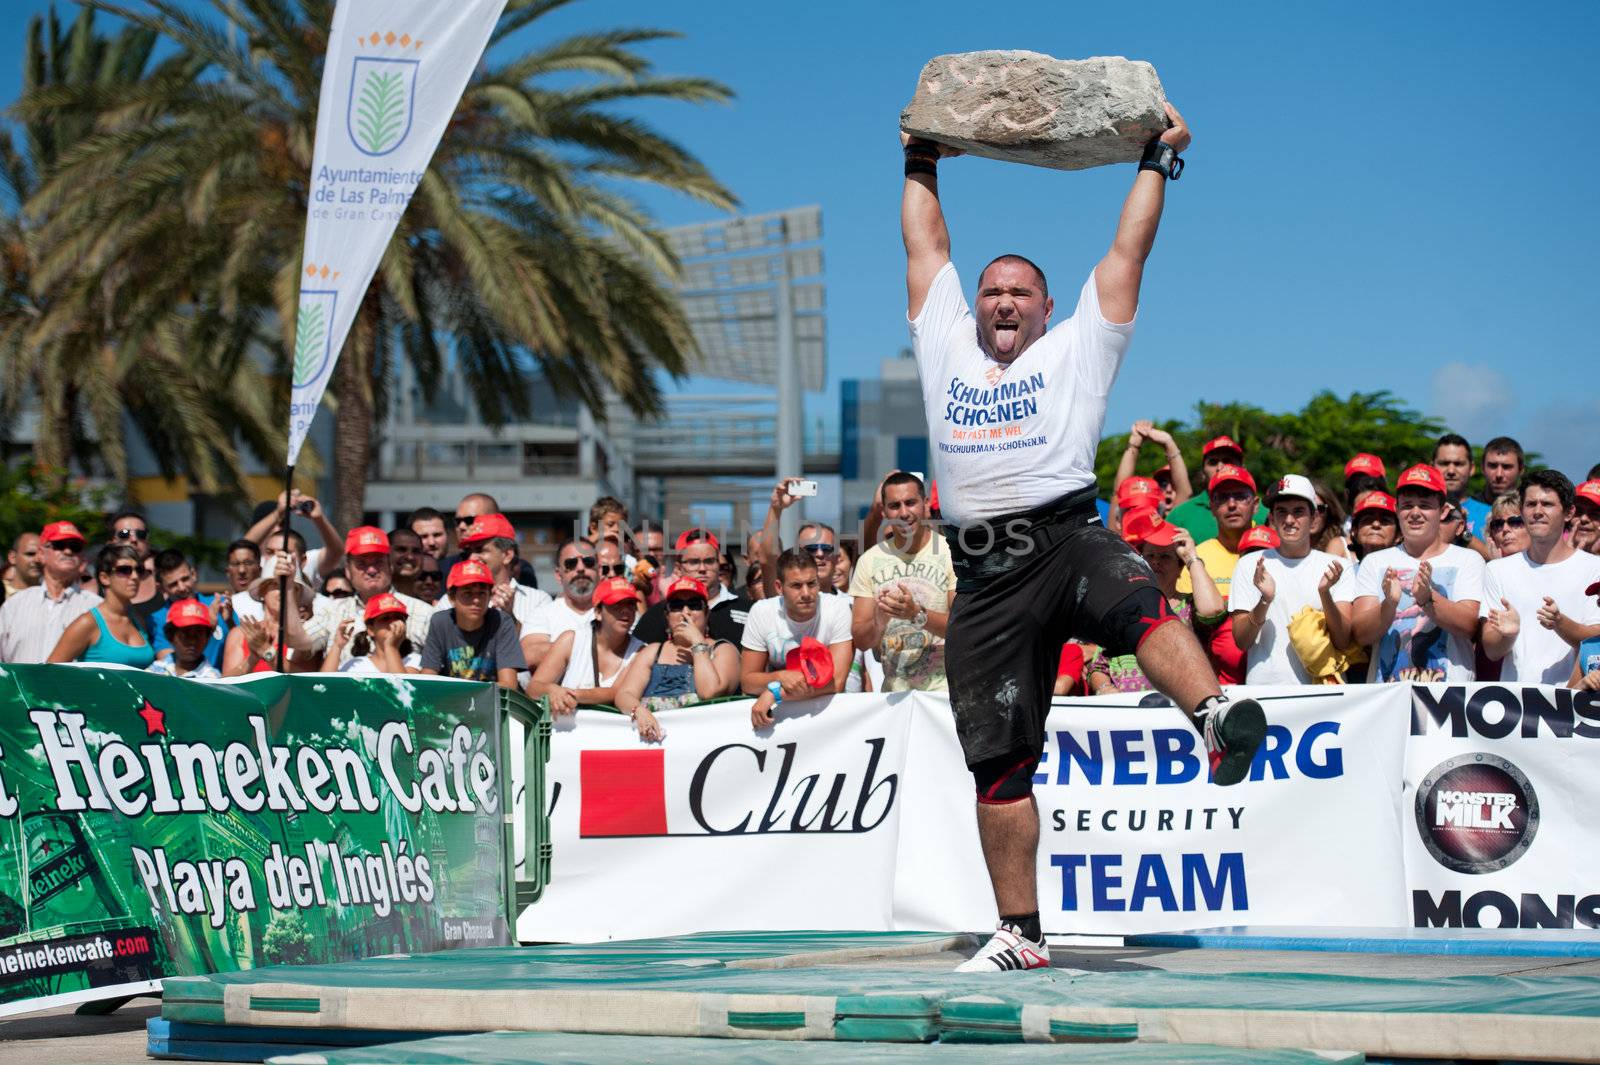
pixel 380 111
pixel 309 337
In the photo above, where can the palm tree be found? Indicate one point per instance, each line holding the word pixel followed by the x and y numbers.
pixel 91 353
pixel 517 253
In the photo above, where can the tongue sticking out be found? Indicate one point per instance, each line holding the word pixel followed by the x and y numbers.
pixel 1005 338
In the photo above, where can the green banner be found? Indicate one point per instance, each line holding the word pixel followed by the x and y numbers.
pixel 152 827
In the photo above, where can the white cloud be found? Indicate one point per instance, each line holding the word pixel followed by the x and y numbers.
pixel 1566 435
pixel 1474 400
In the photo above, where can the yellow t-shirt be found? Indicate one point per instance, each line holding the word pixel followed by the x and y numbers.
pixel 1219 562
pixel 913 658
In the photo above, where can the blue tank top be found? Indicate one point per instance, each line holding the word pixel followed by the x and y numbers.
pixel 110 649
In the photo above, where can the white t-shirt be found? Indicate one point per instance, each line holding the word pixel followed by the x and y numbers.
pixel 1413 640
pixel 525 603
pixel 1539 656
pixel 363 666
pixel 1272 659
pixel 554 618
pixel 1009 438
pixel 770 628
pixel 581 671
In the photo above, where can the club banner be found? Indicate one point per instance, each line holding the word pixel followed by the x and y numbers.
pixel 394 72
pixel 858 813
pixel 1499 807
pixel 152 826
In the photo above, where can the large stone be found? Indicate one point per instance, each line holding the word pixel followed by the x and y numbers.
pixel 1024 107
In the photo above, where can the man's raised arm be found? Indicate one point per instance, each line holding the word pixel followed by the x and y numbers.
pixel 1120 272
pixel 922 219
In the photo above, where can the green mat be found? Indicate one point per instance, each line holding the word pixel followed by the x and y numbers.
pixel 542 1048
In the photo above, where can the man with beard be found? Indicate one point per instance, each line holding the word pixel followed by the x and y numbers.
pixel 1015 409
pixel 577 570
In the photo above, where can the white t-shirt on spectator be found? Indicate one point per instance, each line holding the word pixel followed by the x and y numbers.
pixel 1013 437
pixel 554 618
pixel 1413 640
pixel 770 628
pixel 363 666
pixel 1272 659
pixel 1539 656
pixel 525 603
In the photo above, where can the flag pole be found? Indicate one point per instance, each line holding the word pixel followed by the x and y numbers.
pixel 283 578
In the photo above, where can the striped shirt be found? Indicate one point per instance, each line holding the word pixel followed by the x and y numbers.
pixel 31 623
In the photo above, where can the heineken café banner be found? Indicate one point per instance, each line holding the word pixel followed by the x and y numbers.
pixel 152 827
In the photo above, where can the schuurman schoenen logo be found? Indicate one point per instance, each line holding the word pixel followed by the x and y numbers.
pixel 1476 813
pixel 383 89
pixel 624 793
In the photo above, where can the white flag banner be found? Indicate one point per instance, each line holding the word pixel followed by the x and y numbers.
pixel 395 71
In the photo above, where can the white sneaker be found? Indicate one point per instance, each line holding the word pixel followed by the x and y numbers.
pixel 1005 951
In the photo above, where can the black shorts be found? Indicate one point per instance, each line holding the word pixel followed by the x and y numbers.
pixel 1025 584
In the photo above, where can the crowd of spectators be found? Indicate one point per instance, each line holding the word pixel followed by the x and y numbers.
pixel 1299 582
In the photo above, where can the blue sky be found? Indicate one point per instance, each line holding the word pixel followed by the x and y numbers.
pixel 1380 196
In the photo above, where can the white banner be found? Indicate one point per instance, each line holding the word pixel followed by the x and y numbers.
pixel 394 72
pixel 859 814
pixel 1500 803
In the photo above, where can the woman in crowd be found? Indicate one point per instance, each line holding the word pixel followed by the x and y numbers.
pixel 843 564
pixel 252 646
pixel 583 665
pixel 381 648
pixel 109 633
pixel 1506 534
pixel 1327 523
pixel 688 668
pixel 1170 551
pixel 338 586
pixel 1374 523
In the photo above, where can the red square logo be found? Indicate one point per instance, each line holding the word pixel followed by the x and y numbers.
pixel 624 793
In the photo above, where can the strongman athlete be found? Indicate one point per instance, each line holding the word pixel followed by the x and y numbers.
pixel 1015 409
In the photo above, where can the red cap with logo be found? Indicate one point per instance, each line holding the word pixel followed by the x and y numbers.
pixel 813 660
pixel 1371 465
pixel 189 613
pixel 1138 492
pixel 1228 474
pixel 62 531
pixel 487 527
pixel 1589 490
pixel 385 605
pixel 687 586
pixel 697 536
pixel 366 540
pixel 1221 442
pixel 1143 525
pixel 1421 476
pixel 469 572
pixel 1260 538
pixel 616 590
pixel 1374 500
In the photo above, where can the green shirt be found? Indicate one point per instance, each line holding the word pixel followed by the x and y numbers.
pixel 1195 515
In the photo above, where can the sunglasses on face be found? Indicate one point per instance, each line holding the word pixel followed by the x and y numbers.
pixel 244 563
pixel 686 604
pixel 1496 524
pixel 613 569
pixel 132 534
pixel 573 562
pixel 431 575
pixel 125 571
pixel 67 547
pixel 819 549
pixel 338 593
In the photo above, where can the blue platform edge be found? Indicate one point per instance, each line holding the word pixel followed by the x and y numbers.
pixel 1486 942
pixel 183 1041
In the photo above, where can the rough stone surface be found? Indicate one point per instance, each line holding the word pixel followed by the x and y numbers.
pixel 1024 107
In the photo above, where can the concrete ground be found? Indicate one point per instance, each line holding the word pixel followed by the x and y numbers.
pixel 60 1037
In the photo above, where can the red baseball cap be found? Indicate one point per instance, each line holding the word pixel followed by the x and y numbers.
pixel 813 660
pixel 1421 476
pixel 1371 465
pixel 189 613
pixel 468 572
pixel 366 540
pixel 1260 538
pixel 616 590
pixel 487 527
pixel 1137 492
pixel 386 605
pixel 696 536
pixel 59 531
pixel 1221 442
pixel 1589 490
pixel 1229 474
pixel 1374 500
pixel 1142 525
pixel 686 586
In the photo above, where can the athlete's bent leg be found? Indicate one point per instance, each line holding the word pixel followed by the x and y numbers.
pixel 1177 665
pixel 1009 833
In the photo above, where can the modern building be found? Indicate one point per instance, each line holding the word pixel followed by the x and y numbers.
pixel 882 427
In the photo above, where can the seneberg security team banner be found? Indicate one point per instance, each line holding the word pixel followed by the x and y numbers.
pixel 152 827
pixel 394 73
pixel 858 813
